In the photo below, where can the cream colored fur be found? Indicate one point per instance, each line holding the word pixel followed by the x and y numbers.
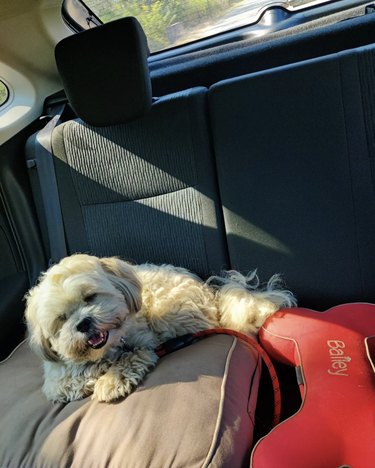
pixel 97 321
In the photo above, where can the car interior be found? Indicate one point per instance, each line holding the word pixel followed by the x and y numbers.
pixel 242 151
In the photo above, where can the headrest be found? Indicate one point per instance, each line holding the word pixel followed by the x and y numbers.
pixel 105 72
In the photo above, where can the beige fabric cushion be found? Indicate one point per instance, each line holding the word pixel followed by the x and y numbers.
pixel 194 410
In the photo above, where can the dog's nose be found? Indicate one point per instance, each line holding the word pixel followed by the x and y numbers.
pixel 84 325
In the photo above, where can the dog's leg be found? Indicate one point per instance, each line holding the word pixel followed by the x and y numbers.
pixel 64 382
pixel 244 306
pixel 124 375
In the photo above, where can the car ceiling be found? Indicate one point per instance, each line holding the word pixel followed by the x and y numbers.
pixel 28 34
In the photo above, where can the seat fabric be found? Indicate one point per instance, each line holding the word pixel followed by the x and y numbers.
pixel 145 190
pixel 297 182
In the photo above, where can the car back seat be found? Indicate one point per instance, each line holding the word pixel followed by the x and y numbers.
pixel 135 179
pixel 143 189
pixel 295 153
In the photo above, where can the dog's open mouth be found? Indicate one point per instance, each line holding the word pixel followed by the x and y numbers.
pixel 98 339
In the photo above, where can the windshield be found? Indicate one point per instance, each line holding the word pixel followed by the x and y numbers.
pixel 176 22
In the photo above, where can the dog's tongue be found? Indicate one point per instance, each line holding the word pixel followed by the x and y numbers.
pixel 97 340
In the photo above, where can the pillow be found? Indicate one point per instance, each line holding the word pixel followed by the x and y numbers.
pixel 195 409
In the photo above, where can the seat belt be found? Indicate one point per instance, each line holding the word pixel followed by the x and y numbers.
pixel 43 162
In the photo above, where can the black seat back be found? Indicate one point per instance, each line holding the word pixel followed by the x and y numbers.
pixel 135 179
pixel 295 153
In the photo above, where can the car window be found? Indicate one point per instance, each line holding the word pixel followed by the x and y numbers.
pixel 172 23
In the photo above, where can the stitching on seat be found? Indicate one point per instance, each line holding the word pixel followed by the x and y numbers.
pixel 13 352
pixel 350 162
pixel 221 406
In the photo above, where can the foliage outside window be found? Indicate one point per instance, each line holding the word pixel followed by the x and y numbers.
pixel 4 93
pixel 175 22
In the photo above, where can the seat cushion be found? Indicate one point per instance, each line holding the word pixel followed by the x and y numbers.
pixel 195 409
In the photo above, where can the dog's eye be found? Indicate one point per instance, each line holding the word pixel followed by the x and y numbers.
pixel 62 317
pixel 90 298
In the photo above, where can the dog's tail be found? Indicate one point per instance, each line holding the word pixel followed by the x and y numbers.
pixel 244 303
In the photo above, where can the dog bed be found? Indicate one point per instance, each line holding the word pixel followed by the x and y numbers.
pixel 196 409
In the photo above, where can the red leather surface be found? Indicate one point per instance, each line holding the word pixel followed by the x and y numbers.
pixel 335 425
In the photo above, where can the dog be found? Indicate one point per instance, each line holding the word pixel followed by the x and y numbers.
pixel 96 322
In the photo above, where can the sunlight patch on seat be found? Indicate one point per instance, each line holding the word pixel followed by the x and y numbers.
pixel 255 234
pixel 186 207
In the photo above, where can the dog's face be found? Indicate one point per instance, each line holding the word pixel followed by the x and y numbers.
pixel 78 309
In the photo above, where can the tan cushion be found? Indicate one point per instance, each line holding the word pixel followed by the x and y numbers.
pixel 195 409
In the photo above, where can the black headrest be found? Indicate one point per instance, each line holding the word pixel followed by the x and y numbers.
pixel 105 72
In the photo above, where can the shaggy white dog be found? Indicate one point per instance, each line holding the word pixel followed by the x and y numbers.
pixel 97 321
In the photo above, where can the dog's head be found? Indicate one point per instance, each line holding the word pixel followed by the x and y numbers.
pixel 79 307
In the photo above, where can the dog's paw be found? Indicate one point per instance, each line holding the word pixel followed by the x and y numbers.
pixel 59 398
pixel 111 387
pixel 125 375
pixel 58 393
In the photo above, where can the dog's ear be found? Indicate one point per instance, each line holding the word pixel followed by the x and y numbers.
pixel 124 278
pixel 42 346
pixel 38 342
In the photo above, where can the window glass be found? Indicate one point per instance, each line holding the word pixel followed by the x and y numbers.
pixel 170 23
pixel 4 93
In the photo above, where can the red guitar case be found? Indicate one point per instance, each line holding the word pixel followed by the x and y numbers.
pixel 334 355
